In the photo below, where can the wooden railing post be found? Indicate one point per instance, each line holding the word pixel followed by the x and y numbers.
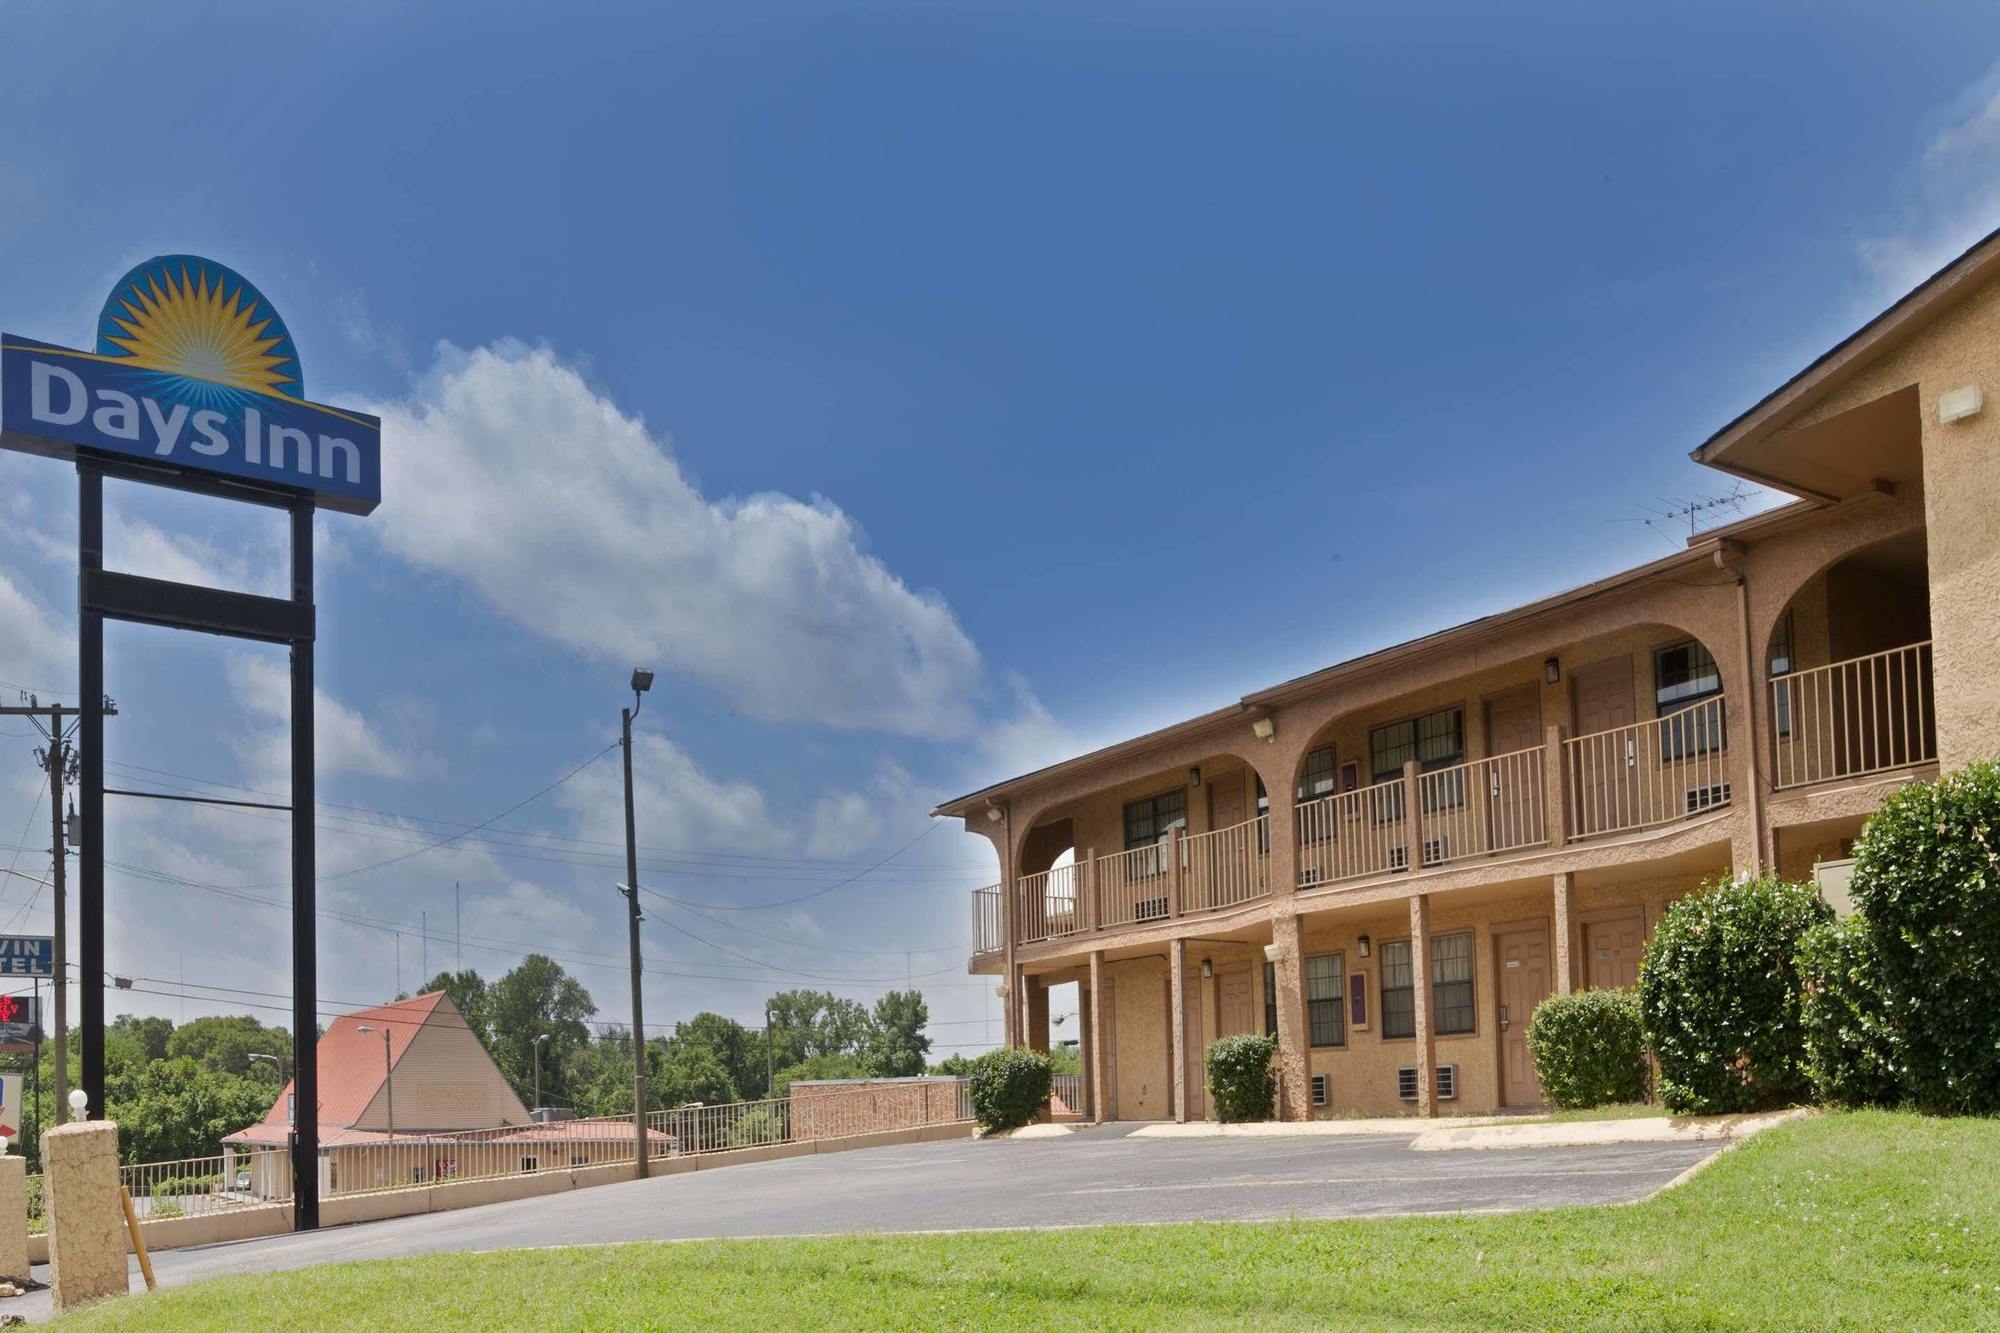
pixel 1555 788
pixel 1173 872
pixel 1413 819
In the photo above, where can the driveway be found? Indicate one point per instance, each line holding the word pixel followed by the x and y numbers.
pixel 1093 1177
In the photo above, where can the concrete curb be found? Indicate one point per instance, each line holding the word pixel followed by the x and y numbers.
pixel 1595 1133
pixel 1292 1129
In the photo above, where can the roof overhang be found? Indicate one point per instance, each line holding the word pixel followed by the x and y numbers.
pixel 1852 453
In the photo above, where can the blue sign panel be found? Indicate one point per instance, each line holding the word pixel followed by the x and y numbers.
pixel 27 956
pixel 193 368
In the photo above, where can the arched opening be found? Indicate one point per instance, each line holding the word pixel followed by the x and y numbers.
pixel 1849 661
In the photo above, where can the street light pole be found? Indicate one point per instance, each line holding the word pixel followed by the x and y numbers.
pixel 642 680
pixel 538 1073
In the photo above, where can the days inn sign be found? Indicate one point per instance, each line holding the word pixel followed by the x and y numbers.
pixel 193 369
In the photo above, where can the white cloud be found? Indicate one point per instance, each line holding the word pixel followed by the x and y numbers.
pixel 139 547
pixel 571 518
pixel 343 742
pixel 674 803
pixel 35 652
pixel 1953 193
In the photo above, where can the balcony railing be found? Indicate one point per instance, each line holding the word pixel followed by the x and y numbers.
pixel 1846 719
pixel 1649 773
pixel 1353 834
pixel 1132 886
pixel 1049 903
pixel 1226 866
pixel 1482 807
pixel 987 936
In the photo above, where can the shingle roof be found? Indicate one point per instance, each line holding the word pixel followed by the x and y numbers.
pixel 351 1067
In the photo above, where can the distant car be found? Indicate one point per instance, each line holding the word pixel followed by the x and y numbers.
pixel 242 1182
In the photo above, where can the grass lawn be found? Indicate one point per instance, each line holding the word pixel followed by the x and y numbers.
pixel 1622 1111
pixel 1868 1220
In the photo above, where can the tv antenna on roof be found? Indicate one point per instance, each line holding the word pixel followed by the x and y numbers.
pixel 1676 512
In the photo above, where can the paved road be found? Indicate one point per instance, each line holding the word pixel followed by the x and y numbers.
pixel 1092 1177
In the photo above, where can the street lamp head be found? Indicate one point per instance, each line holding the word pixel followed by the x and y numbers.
pixel 363 1027
pixel 539 1040
pixel 642 679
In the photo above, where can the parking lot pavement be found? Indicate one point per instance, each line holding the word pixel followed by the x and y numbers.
pixel 1098 1176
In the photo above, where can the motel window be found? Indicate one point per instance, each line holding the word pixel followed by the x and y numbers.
pixel 1451 983
pixel 1264 827
pixel 1684 675
pixel 530 1163
pixel 1781 665
pixel 1324 1000
pixel 1270 999
pixel 1318 778
pixel 1435 740
pixel 1399 992
pixel 1147 821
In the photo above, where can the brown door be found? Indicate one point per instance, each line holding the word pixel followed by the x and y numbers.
pixel 1225 801
pixel 1513 723
pixel 1612 950
pixel 1197 1067
pixel 1234 1010
pixel 1606 786
pixel 1524 983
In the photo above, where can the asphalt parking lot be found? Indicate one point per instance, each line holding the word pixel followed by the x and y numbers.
pixel 1094 1177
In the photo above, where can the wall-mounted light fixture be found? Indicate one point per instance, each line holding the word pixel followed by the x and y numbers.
pixel 994 814
pixel 1263 728
pixel 1000 991
pixel 1274 952
pixel 1361 946
pixel 1207 969
pixel 1194 776
pixel 1960 404
pixel 1552 670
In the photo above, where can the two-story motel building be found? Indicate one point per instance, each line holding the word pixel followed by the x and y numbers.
pixel 1391 861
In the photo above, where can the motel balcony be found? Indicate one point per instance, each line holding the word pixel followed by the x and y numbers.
pixel 1842 724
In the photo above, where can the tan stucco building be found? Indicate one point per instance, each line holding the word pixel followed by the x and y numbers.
pixel 1391 861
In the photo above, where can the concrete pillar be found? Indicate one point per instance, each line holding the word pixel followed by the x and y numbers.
pixel 1086 1045
pixel 1420 987
pixel 1037 996
pixel 1413 817
pixel 1555 789
pixel 1294 1053
pixel 1177 1022
pixel 87 1241
pixel 14 1218
pixel 1565 930
pixel 1100 1101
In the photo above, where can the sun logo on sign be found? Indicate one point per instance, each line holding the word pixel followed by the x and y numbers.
pixel 193 319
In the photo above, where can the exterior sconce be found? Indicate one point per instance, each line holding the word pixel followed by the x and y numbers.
pixel 1263 728
pixel 1361 946
pixel 994 814
pixel 1960 404
pixel 1552 670
pixel 1274 952
pixel 1000 991
pixel 1194 776
pixel 1207 971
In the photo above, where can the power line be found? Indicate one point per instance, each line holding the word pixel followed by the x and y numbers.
pixel 804 897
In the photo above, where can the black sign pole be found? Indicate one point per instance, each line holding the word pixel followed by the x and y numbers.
pixel 305 945
pixel 90 678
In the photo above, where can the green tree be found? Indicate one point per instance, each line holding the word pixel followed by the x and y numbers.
pixel 736 1048
pixel 175 1108
pixel 222 1043
pixel 468 991
pixel 151 1034
pixel 539 999
pixel 896 1044
pixel 828 1064
pixel 957 1066
pixel 806 1023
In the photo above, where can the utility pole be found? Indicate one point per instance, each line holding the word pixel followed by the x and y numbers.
pixel 58 724
pixel 642 680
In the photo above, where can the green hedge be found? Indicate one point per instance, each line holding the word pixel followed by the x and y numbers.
pixel 1720 995
pixel 1240 1077
pixel 1009 1087
pixel 1927 880
pixel 1851 1053
pixel 1589 1049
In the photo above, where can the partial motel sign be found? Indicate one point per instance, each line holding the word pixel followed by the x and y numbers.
pixel 27 956
pixel 194 368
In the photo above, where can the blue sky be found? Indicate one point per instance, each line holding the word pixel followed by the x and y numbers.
pixel 928 391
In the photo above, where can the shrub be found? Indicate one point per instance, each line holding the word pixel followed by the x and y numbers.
pixel 163 1209
pixel 1008 1087
pixel 1719 992
pixel 1240 1077
pixel 1927 880
pixel 1851 1052
pixel 1589 1048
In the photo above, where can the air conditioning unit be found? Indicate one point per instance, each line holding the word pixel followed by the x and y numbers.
pixel 1446 1084
pixel 1319 1090
pixel 1436 851
pixel 1707 798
